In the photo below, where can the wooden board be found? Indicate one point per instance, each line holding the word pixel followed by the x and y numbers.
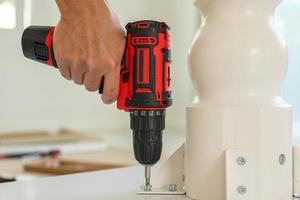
pixel 56 166
pixel 115 156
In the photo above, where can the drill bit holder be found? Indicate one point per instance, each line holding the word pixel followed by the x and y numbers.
pixel 147 127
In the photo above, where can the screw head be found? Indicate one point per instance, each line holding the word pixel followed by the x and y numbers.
pixel 241 161
pixel 241 189
pixel 147 188
pixel 282 159
pixel 172 187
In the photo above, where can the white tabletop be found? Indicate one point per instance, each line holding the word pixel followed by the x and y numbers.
pixel 118 184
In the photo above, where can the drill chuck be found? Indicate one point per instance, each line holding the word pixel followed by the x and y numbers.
pixel 147 127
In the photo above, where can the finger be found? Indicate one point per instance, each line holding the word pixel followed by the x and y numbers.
pixel 111 87
pixel 63 65
pixel 64 69
pixel 78 77
pixel 92 81
pixel 78 73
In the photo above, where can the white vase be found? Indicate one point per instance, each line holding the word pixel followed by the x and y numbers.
pixel 238 63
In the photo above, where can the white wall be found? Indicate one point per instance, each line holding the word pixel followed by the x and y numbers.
pixel 33 96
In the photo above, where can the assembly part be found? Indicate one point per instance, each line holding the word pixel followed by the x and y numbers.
pixel 241 172
pixel 148 188
pixel 171 172
pixel 241 161
pixel 238 103
pixel 172 187
pixel 116 184
pixel 241 189
pixel 282 159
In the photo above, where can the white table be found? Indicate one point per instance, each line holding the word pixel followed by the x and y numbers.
pixel 118 184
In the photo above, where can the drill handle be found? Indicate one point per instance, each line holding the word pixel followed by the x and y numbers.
pixel 37 45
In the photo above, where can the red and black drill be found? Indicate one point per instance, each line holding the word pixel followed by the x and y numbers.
pixel 145 89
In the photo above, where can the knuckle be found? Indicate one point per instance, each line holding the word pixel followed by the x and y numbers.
pixel 92 67
pixel 93 70
pixel 111 64
pixel 78 64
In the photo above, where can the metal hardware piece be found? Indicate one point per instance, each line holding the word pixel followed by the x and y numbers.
pixel 242 189
pixel 172 187
pixel 241 161
pixel 282 159
pixel 148 188
pixel 167 178
pixel 241 173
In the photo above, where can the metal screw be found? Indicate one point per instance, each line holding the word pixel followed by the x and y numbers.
pixel 147 188
pixel 282 159
pixel 241 189
pixel 241 161
pixel 172 187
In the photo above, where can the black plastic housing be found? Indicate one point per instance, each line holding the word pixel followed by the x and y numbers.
pixel 34 44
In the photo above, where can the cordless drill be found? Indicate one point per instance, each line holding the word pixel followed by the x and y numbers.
pixel 145 90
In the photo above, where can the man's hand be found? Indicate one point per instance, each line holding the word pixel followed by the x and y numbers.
pixel 89 44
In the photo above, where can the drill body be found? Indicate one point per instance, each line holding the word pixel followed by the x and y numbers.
pixel 145 90
pixel 145 86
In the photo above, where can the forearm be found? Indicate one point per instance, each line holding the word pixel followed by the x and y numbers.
pixel 82 8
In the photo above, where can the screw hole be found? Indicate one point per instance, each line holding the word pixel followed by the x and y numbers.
pixel 129 26
pixel 163 26
pixel 241 161
pixel 242 189
pixel 282 159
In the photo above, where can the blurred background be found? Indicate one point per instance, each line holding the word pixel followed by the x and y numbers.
pixel 36 98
